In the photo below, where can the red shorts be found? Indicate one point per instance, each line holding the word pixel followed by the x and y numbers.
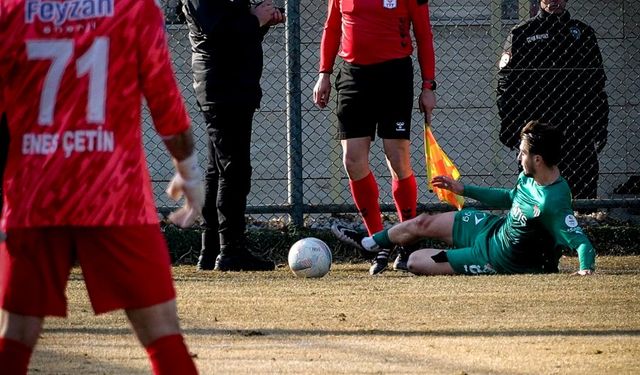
pixel 124 267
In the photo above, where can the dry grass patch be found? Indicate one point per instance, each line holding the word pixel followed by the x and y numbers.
pixel 349 322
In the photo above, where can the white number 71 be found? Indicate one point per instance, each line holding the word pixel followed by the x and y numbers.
pixel 94 63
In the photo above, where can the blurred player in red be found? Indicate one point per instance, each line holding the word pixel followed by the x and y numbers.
pixel 76 183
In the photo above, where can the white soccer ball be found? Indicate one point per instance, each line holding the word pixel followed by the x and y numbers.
pixel 310 257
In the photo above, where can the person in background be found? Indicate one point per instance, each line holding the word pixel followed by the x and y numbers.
pixel 375 92
pixel 528 239
pixel 551 69
pixel 76 184
pixel 226 42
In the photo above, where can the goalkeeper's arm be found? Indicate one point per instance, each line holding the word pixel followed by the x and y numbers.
pixel 187 181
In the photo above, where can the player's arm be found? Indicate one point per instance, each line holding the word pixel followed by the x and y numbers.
pixel 329 46
pixel 419 13
pixel 169 114
pixel 187 181
pixel 495 197
pixel 558 219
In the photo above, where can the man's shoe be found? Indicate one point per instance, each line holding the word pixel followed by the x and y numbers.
pixel 348 235
pixel 400 264
pixel 209 250
pixel 205 264
pixel 243 261
pixel 379 264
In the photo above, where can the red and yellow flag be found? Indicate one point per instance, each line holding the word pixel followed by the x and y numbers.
pixel 439 164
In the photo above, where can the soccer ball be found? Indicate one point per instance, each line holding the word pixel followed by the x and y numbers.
pixel 310 257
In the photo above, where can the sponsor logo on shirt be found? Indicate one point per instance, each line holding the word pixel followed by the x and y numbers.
pixel 537 37
pixel 60 12
pixel 479 219
pixel 518 215
pixel 389 4
pixel 571 221
pixel 536 211
pixel 575 230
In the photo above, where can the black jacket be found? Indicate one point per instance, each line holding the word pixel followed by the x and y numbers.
pixel 226 43
pixel 551 70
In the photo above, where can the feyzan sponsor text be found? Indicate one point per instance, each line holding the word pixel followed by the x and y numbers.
pixel 60 12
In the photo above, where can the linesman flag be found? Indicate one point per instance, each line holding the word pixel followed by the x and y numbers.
pixel 439 164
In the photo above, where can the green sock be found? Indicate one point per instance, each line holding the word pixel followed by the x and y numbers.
pixel 382 239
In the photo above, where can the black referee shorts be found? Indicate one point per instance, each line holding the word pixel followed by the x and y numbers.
pixel 377 95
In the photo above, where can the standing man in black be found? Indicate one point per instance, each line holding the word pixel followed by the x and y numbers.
pixel 226 39
pixel 551 70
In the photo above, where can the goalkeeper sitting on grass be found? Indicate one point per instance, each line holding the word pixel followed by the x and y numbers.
pixel 527 240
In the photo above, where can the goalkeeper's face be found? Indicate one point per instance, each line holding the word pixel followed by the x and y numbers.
pixel 526 159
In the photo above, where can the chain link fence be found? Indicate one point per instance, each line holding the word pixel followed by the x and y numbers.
pixel 297 167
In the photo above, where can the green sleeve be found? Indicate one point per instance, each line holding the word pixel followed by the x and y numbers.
pixel 495 197
pixel 587 256
pixel 563 226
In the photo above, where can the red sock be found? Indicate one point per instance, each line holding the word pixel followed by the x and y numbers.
pixel 169 356
pixel 405 194
pixel 14 357
pixel 365 195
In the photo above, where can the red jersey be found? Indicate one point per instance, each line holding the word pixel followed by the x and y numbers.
pixel 373 31
pixel 74 73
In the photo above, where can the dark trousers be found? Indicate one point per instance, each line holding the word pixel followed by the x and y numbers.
pixel 228 177
pixel 579 166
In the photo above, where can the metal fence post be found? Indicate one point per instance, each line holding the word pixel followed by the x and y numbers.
pixel 294 112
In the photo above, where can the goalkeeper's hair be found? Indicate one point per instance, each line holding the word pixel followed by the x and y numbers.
pixel 543 139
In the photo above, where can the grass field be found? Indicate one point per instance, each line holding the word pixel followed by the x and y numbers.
pixel 351 323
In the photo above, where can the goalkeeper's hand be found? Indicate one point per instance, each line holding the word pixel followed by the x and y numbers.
pixel 188 182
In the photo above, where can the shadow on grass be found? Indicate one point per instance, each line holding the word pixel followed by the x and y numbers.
pixel 362 332
pixel 57 362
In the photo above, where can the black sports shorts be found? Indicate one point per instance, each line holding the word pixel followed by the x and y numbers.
pixel 377 95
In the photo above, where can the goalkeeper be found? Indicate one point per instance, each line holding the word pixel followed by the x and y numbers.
pixel 527 240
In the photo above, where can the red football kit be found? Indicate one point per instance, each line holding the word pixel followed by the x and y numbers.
pixel 367 32
pixel 74 73
pixel 76 183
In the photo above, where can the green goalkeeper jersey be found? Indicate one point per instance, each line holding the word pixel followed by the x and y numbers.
pixel 540 218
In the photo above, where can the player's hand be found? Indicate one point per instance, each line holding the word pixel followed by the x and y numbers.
pixel 448 183
pixel 264 12
pixel 322 90
pixel 2 236
pixel 583 273
pixel 426 103
pixel 187 182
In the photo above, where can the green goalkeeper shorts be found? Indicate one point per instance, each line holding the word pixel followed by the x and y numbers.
pixel 471 235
